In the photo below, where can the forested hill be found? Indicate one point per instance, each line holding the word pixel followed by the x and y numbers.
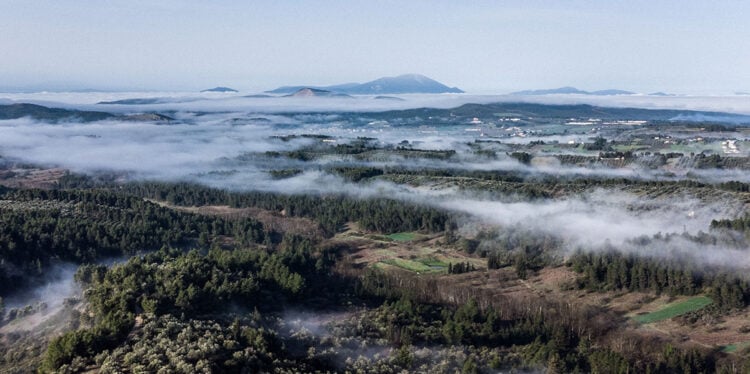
pixel 526 110
pixel 41 228
pixel 466 111
pixel 55 115
pixel 220 293
pixel 43 113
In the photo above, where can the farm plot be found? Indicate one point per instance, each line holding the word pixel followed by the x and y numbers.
pixel 674 310
pixel 403 236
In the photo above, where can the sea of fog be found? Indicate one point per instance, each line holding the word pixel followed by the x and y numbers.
pixel 213 101
pixel 220 140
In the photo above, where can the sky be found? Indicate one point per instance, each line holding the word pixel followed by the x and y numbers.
pixel 679 46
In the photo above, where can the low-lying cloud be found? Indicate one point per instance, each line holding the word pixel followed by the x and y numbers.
pixel 226 149
pixel 195 101
pixel 599 217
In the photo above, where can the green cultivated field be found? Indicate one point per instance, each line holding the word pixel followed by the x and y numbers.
pixel 675 309
pixel 409 265
pixel 422 265
pixel 403 236
pixel 433 263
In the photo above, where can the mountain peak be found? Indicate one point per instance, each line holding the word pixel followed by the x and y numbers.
pixel 406 83
pixel 220 89
pixel 309 92
pixel 415 77
pixel 401 84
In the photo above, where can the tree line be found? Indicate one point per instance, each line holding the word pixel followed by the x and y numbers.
pixel 193 284
pixel 331 211
pixel 43 227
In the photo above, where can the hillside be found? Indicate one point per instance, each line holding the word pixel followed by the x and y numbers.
pixel 314 92
pixel 220 89
pixel 525 110
pixel 47 114
pixel 42 113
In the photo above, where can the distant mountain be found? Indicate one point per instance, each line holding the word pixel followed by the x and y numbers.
pixel 409 83
pixel 402 84
pixel 551 91
pixel 150 100
pixel 567 90
pixel 220 89
pixel 315 92
pixel 742 93
pixel 660 94
pixel 612 92
pixel 391 98
pixel 43 113
pixel 344 87
pixel 146 117
pixel 46 114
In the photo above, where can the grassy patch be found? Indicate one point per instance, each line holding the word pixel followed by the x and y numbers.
pixel 381 265
pixel 410 265
pixel 378 237
pixel 403 236
pixel 674 310
pixel 735 347
pixel 433 262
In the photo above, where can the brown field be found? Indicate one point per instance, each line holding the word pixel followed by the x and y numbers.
pixel 30 178
pixel 378 250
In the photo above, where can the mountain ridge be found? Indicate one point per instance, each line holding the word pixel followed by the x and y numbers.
pixel 402 84
pixel 220 89
pixel 55 115
pixel 568 90
pixel 315 92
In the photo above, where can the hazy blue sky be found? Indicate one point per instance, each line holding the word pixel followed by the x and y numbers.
pixel 481 46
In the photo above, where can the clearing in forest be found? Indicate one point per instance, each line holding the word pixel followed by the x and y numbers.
pixel 422 265
pixel 403 236
pixel 674 310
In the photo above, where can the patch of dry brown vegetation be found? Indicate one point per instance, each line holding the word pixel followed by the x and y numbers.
pixel 31 177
